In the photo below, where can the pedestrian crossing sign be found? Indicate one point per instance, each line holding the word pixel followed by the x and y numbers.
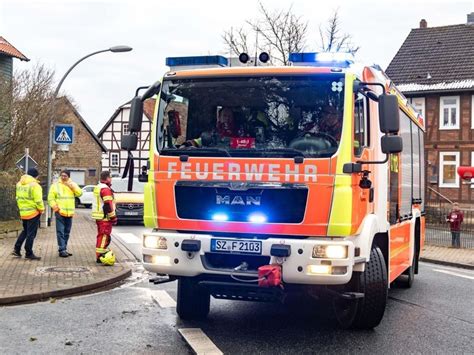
pixel 63 134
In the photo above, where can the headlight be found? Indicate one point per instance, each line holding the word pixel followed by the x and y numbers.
pixel 154 242
pixel 330 251
pixel 318 269
pixel 157 259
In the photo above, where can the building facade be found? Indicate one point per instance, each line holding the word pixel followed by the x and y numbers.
pixel 83 158
pixel 434 68
pixel 7 53
pixel 111 137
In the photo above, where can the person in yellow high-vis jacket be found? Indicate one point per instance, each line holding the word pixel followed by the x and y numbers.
pixel 61 198
pixel 29 198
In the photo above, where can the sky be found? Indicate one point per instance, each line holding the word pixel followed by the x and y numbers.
pixel 56 33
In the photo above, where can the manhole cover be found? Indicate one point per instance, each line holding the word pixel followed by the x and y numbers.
pixel 64 269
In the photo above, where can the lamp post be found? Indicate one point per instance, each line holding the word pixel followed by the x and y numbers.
pixel 115 49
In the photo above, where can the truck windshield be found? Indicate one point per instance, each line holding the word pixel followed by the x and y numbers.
pixel 272 116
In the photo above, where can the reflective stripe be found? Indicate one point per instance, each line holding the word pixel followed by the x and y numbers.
pixel 98 202
pixel 104 237
pixel 101 250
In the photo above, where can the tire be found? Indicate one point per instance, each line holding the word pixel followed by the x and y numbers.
pixel 408 277
pixel 77 202
pixel 193 300
pixel 366 312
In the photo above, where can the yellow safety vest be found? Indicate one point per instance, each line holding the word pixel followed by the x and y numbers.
pixel 61 198
pixel 98 204
pixel 29 197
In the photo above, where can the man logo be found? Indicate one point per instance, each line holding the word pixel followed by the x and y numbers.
pixel 236 200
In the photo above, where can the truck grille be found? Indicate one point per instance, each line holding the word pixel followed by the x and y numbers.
pixel 279 203
pixel 229 261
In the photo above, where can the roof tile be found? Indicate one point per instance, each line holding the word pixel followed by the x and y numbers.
pixel 7 49
pixel 446 54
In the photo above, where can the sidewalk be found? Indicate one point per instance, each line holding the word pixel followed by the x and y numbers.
pixel 448 256
pixel 24 280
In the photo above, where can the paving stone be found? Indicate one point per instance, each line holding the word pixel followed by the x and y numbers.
pixel 22 277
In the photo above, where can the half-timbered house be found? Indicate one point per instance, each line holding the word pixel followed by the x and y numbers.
pixel 111 136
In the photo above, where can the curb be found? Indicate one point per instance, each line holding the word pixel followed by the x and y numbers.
pixel 448 263
pixel 65 292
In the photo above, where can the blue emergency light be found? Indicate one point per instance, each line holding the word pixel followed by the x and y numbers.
pixel 323 59
pixel 197 60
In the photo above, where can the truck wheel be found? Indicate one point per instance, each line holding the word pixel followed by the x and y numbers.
pixel 366 312
pixel 406 279
pixel 193 300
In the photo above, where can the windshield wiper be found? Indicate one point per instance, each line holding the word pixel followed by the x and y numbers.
pixel 194 151
pixel 287 151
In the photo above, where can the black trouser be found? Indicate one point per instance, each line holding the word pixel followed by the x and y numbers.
pixel 30 228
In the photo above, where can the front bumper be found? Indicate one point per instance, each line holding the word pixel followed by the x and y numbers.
pixel 296 268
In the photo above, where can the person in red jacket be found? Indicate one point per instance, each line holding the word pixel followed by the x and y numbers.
pixel 455 218
pixel 103 211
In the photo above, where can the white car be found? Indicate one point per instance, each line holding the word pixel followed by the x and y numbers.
pixel 87 196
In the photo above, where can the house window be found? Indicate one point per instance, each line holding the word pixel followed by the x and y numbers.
pixel 472 164
pixel 125 129
pixel 92 172
pixel 114 159
pixel 449 162
pixel 472 112
pixel 418 104
pixel 449 112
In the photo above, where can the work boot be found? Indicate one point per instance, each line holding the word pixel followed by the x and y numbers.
pixel 63 254
pixel 32 257
pixel 68 253
pixel 16 253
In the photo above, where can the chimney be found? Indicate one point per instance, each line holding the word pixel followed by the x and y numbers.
pixel 470 18
pixel 424 24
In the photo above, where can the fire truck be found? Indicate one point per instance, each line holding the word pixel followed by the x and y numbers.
pixel 267 180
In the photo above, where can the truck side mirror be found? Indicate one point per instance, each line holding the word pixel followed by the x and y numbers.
pixel 391 144
pixel 151 91
pixel 129 142
pixel 143 177
pixel 389 117
pixel 136 115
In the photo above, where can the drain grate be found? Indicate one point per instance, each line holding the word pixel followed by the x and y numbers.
pixel 63 269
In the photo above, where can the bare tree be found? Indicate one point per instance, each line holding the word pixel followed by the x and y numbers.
pixel 278 32
pixel 24 108
pixel 332 40
pixel 281 32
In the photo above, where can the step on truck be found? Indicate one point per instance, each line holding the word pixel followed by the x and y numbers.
pixel 265 180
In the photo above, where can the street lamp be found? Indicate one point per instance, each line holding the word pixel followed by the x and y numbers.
pixel 114 49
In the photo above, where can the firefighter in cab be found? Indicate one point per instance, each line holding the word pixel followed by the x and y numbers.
pixel 103 211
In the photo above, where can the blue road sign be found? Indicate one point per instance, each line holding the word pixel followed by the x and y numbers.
pixel 63 134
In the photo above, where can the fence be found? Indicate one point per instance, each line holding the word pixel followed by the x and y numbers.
pixel 438 231
pixel 8 208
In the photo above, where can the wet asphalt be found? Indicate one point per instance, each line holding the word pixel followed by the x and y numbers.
pixel 435 316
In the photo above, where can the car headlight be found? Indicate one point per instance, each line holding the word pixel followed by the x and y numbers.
pixel 154 242
pixel 330 251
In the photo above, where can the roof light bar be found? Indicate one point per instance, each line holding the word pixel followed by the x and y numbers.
pixel 323 59
pixel 215 60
